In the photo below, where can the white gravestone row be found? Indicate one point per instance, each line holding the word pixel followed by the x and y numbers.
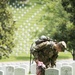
pixel 60 69
pixel 63 68
pixel 22 69
pixel 14 69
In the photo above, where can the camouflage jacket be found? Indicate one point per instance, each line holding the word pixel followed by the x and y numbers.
pixel 45 52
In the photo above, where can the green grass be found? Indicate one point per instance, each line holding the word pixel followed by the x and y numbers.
pixel 20 22
pixel 64 55
pixel 22 45
pixel 21 57
pixel 26 57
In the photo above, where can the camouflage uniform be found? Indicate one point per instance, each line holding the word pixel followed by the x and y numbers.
pixel 45 52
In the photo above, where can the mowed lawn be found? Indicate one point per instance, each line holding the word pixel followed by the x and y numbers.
pixel 26 57
pixel 27 17
pixel 65 55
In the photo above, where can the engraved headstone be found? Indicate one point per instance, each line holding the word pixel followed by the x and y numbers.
pixel 10 70
pixel 51 71
pixel 19 71
pixel 66 70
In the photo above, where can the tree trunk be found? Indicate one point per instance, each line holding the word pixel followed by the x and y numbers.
pixel 73 54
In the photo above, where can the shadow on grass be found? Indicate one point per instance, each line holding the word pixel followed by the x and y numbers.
pixel 23 58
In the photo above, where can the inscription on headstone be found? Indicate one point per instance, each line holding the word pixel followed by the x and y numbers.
pixel 51 71
pixel 66 70
pixel 9 70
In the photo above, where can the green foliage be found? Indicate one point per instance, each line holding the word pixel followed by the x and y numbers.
pixel 6 30
pixel 53 18
pixel 21 57
pixel 57 22
pixel 69 6
pixel 55 15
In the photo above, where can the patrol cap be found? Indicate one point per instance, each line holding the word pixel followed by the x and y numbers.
pixel 63 46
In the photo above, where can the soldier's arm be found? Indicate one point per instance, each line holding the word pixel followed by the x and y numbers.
pixel 41 45
pixel 53 60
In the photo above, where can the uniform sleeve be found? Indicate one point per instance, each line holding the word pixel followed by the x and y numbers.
pixel 53 60
pixel 41 45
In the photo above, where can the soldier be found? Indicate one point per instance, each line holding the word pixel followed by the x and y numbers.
pixel 46 51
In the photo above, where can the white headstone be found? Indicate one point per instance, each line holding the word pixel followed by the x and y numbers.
pixel 33 68
pixel 25 66
pixel 65 63
pixel 58 65
pixel 19 71
pixel 51 71
pixel 10 70
pixel 73 65
pixel 4 69
pixel 0 67
pixel 66 70
pixel 1 72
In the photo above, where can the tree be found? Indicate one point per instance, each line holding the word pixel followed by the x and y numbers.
pixel 58 25
pixel 53 17
pixel 69 6
pixel 6 30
